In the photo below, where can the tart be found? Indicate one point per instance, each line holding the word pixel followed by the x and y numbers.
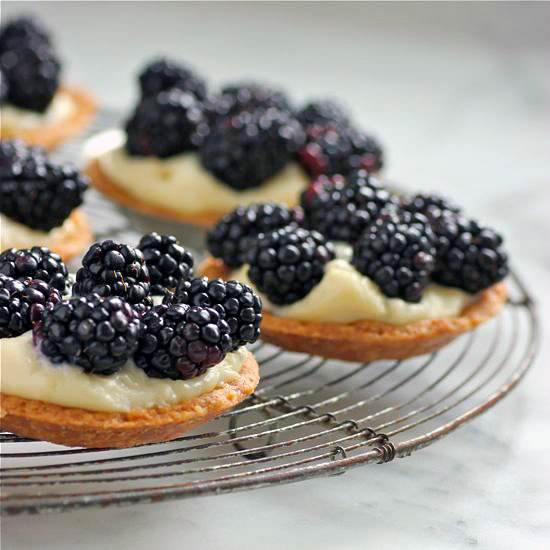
pixel 190 156
pixel 107 368
pixel 361 274
pixel 35 106
pixel 40 202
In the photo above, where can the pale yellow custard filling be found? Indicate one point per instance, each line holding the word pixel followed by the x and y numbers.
pixel 181 184
pixel 26 373
pixel 16 235
pixel 15 118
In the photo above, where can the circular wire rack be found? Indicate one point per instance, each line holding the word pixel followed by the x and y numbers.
pixel 308 417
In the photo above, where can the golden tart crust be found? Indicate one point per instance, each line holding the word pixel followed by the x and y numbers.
pixel 370 340
pixel 94 429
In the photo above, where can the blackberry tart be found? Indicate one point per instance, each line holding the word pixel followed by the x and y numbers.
pixel 40 202
pixel 107 368
pixel 398 277
pixel 35 105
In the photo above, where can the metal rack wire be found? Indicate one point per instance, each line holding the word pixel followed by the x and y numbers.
pixel 309 416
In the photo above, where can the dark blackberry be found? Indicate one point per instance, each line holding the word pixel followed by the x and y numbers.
pixel 342 208
pixel 340 149
pixel 32 75
pixel 429 204
pixel 231 237
pixel 469 255
pixel 322 113
pixel 35 191
pixel 163 74
pixel 287 263
pixel 3 88
pixel 112 269
pixel 246 150
pixel 398 253
pixel 36 263
pixel 168 262
pixel 98 334
pixel 22 304
pixel 166 124
pixel 235 302
pixel 181 342
pixel 21 32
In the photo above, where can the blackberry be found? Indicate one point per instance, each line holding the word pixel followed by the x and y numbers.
pixel 98 334
pixel 181 342
pixel 165 125
pixel 342 208
pixel 112 269
pixel 236 303
pixel 22 304
pixel 163 74
pixel 32 75
pixel 245 150
pixel 3 88
pixel 37 263
pixel 398 253
pixel 35 191
pixel 287 263
pixel 22 31
pixel 469 255
pixel 231 237
pixel 322 113
pixel 429 204
pixel 339 149
pixel 167 261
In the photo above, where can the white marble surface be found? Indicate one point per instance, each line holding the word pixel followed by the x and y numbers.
pixel 460 95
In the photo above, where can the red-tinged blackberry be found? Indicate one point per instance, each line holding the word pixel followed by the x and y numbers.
pixel 32 75
pixel 168 262
pixel 342 208
pixel 232 236
pixel 36 263
pixel 163 74
pixel 236 303
pixel 322 113
pixel 166 124
pixel 339 149
pixel 246 150
pixel 36 192
pixel 23 303
pixel 398 253
pixel 469 255
pixel 429 204
pixel 112 269
pixel 98 334
pixel 286 264
pixel 181 342
pixel 3 88
pixel 22 31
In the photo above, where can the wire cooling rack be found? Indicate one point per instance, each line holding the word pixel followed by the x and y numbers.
pixel 309 416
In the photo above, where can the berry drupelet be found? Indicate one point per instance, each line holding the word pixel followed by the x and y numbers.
pixel 163 74
pixel 469 255
pixel 232 236
pixel 181 342
pixel 37 263
pixel 236 303
pixel 112 269
pixel 21 32
pixel 322 113
pixel 166 124
pixel 429 204
pixel 34 191
pixel 245 150
pixel 23 303
pixel 98 334
pixel 398 253
pixel 167 261
pixel 286 264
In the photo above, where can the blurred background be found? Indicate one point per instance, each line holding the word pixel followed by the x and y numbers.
pixel 459 94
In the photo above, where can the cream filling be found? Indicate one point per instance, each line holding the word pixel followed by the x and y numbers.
pixel 26 373
pixel 16 118
pixel 181 183
pixel 16 235
pixel 344 295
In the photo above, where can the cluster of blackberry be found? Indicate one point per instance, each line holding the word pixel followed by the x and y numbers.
pixel 30 69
